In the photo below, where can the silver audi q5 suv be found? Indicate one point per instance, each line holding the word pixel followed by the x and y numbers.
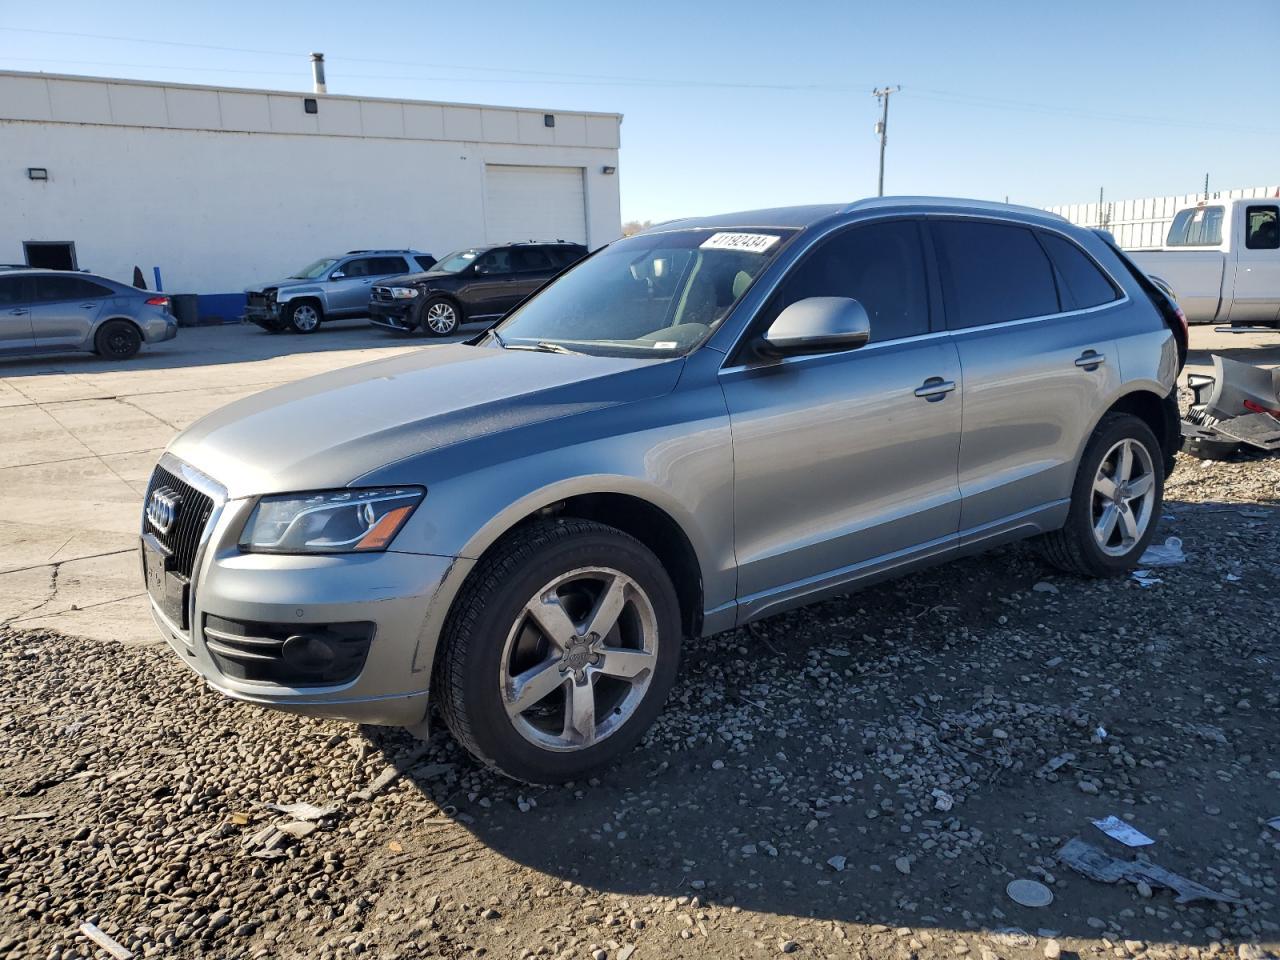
pixel 695 427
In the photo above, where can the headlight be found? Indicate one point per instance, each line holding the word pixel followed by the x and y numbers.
pixel 340 521
pixel 403 293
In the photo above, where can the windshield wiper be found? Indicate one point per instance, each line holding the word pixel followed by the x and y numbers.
pixel 542 346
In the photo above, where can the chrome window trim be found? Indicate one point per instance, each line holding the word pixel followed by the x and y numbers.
pixel 1123 299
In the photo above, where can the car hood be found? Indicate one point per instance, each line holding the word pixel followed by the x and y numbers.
pixel 325 431
pixel 282 284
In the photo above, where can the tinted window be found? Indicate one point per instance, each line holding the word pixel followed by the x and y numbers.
pixel 426 262
pixel 1196 227
pixel 382 265
pixel 1261 229
pixel 879 265
pixel 11 291
pixel 992 273
pixel 1081 282
pixel 530 259
pixel 68 288
pixel 566 255
pixel 494 262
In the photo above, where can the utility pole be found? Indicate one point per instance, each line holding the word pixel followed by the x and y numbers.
pixel 882 128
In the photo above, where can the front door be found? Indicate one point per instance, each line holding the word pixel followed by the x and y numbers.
pixel 15 315
pixel 493 287
pixel 65 310
pixel 351 286
pixel 846 462
pixel 1257 275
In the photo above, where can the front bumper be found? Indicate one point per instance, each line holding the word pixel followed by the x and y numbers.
pixel 392 592
pixel 394 315
pixel 265 314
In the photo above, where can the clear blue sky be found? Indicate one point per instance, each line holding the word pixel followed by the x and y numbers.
pixel 1042 102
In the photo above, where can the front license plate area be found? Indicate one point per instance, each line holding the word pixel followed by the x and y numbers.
pixel 169 590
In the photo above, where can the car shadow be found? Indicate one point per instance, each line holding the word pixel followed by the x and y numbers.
pixel 883 757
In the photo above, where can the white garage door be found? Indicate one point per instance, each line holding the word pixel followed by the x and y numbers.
pixel 534 203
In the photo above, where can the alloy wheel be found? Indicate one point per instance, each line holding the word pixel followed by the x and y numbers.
pixel 442 318
pixel 1124 496
pixel 305 317
pixel 579 659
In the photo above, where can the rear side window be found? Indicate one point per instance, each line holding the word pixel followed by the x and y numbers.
pixel 566 255
pixel 1196 227
pixel 1261 229
pixel 1081 282
pixel 381 265
pixel 530 259
pixel 992 273
pixel 880 265
pixel 68 288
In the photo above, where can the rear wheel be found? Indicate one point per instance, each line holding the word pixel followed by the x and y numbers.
pixel 117 340
pixel 1115 503
pixel 440 317
pixel 560 652
pixel 303 316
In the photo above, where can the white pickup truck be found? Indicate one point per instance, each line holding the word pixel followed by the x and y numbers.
pixel 1222 259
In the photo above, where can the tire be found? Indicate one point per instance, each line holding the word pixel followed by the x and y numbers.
pixel 1077 547
pixel 439 317
pixel 117 340
pixel 491 639
pixel 303 316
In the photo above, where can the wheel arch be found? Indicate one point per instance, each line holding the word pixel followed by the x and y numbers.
pixel 1158 411
pixel 443 295
pixel 118 316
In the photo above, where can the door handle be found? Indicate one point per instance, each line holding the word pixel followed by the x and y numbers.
pixel 17 312
pixel 1090 360
pixel 87 306
pixel 935 389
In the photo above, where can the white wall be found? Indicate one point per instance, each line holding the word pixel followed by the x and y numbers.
pixel 221 189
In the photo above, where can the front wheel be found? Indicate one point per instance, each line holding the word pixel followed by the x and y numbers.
pixel 440 317
pixel 560 652
pixel 1115 503
pixel 303 317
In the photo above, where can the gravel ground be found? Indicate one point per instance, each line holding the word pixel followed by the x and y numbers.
pixel 862 778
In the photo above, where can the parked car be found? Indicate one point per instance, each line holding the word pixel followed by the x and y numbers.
pixel 1222 259
pixel 479 283
pixel 698 426
pixel 330 288
pixel 52 311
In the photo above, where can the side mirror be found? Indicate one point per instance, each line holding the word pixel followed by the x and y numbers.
pixel 337 275
pixel 482 269
pixel 817 325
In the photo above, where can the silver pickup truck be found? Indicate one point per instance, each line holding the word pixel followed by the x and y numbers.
pixel 1222 259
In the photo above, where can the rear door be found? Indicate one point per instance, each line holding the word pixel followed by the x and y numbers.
pixel 350 293
pixel 1256 297
pixel 65 309
pixel 1037 368
pixel 15 315
pixel 846 461
pixel 533 267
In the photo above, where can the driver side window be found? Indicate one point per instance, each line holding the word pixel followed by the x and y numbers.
pixel 881 265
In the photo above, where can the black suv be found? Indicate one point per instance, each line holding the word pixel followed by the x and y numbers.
pixel 479 283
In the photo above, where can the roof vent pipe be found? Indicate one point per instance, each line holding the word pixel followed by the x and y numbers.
pixel 317 72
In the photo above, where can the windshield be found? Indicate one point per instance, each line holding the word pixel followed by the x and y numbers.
pixel 313 270
pixel 656 293
pixel 455 262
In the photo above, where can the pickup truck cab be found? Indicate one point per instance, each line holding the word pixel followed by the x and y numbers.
pixel 1222 258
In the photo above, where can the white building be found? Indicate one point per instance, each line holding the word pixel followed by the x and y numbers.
pixel 220 188
pixel 1143 224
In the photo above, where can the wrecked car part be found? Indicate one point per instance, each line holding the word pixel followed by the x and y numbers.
pixel 1095 864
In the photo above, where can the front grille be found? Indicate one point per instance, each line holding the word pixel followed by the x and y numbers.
pixel 290 654
pixel 382 293
pixel 183 537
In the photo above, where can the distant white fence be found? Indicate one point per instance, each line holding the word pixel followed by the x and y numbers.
pixel 1142 224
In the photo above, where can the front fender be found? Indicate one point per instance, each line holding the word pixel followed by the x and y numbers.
pixel 306 292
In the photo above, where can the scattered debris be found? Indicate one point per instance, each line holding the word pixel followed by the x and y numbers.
pixel 302 811
pixel 266 844
pixel 1167 554
pixel 92 932
pixel 1274 824
pixel 1145 578
pixel 35 815
pixel 837 863
pixel 298 828
pixel 399 768
pixel 1057 763
pixel 1087 859
pixel 1012 937
pixel 1045 586
pixel 942 800
pixel 1117 829
pixel 1029 893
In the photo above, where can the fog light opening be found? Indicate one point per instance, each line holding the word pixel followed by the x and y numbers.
pixel 309 653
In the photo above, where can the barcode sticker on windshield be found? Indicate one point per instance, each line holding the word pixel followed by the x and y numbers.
pixel 744 242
